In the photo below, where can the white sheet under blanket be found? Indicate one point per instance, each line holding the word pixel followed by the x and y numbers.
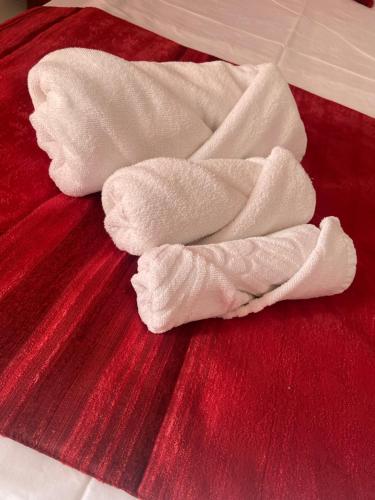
pixel 324 46
pixel 26 474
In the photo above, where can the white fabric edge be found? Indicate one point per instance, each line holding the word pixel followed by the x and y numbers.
pixel 27 473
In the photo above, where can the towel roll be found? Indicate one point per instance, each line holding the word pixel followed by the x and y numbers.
pixel 95 113
pixel 167 200
pixel 176 284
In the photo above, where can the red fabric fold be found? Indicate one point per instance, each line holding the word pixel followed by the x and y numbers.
pixel 367 3
pixel 276 405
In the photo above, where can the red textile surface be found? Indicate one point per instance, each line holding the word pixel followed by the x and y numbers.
pixel 367 3
pixel 277 405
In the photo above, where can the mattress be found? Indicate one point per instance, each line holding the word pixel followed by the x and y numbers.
pixel 275 405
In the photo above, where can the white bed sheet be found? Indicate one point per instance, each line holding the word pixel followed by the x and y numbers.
pixel 324 46
pixel 26 474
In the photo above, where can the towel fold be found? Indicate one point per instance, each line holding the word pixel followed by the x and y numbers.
pixel 177 284
pixel 168 200
pixel 95 113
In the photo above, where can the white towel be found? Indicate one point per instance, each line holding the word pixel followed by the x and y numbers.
pixel 177 284
pixel 95 113
pixel 168 200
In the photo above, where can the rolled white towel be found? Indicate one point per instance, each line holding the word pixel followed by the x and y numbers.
pixel 168 200
pixel 177 284
pixel 95 113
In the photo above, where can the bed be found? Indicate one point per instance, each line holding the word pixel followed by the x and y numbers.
pixel 276 405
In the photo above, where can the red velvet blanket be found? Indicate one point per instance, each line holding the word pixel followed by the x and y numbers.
pixel 278 405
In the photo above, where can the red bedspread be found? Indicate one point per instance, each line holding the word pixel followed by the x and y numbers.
pixel 278 405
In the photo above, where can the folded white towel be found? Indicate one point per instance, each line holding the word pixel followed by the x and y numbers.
pixel 167 200
pixel 177 284
pixel 95 113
